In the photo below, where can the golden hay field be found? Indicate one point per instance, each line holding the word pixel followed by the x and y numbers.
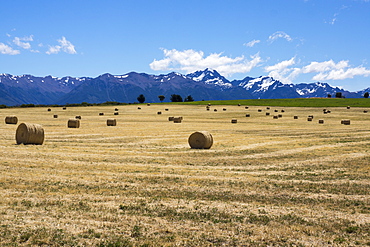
pixel 264 182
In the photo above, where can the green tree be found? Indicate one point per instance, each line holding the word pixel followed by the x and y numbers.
pixel 161 98
pixel 189 98
pixel 141 98
pixel 366 95
pixel 176 98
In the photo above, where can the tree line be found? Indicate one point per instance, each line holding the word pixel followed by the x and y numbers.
pixel 173 98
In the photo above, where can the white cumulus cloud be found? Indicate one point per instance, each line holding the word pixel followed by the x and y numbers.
pixel 5 49
pixel 64 45
pixel 20 42
pixel 190 61
pixel 252 43
pixel 278 35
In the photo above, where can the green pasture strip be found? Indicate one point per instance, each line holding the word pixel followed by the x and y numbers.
pixel 299 102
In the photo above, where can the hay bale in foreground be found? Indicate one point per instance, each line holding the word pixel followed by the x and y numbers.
pixel 73 123
pixel 111 122
pixel 200 140
pixel 29 134
pixel 11 120
pixel 346 122
pixel 234 121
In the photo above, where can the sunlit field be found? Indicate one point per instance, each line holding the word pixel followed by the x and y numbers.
pixel 264 182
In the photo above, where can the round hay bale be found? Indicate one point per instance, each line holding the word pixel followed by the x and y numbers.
pixel 246 107
pixel 309 119
pixel 310 116
pixel 139 108
pixel 239 105
pixel 170 118
pixel 207 109
pixel 64 108
pixel 49 109
pixel 247 115
pixel 29 134
pixel 267 108
pixel 282 110
pixel 116 109
pixel 267 114
pixel 328 111
pixel 365 111
pixel 215 110
pixel 348 107
pixel 116 113
pixel 346 122
pixel 234 121
pixel 11 120
pixel 101 113
pixel 111 122
pixel 177 119
pixel 275 117
pixel 276 110
pixel 166 109
pixel 259 110
pixel 55 116
pixel 159 113
pixel 200 140
pixel 78 117
pixel 295 117
pixel 73 123
pixel 224 109
pixel 209 104
pixel 148 104
pixel 280 115
pixel 321 121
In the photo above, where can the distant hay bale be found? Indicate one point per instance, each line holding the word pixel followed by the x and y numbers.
pixel 207 109
pixel 247 115
pixel 346 122
pixel 275 117
pixel 200 140
pixel 238 104
pixel 246 107
pixel 11 120
pixel 116 109
pixel 64 108
pixel 215 110
pixel 321 121
pixel 234 121
pixel 209 104
pixel 282 110
pixel 166 109
pixel 170 118
pixel 101 113
pixel 280 115
pixel 259 110
pixel 55 116
pixel 29 134
pixel 276 110
pixel 325 112
pixel 267 108
pixel 295 117
pixel 78 117
pixel 224 109
pixel 148 104
pixel 328 111
pixel 177 119
pixel 310 116
pixel 267 114
pixel 111 122
pixel 348 107
pixel 49 109
pixel 365 111
pixel 73 123
pixel 159 113
pixel 116 113
pixel 139 108
pixel 309 119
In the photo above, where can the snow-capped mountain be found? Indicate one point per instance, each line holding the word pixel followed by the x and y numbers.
pixel 201 85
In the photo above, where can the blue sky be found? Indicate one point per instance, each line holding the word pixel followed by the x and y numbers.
pixel 292 40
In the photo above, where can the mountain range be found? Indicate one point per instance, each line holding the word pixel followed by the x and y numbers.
pixel 201 85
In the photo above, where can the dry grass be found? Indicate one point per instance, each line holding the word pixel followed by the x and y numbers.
pixel 264 182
